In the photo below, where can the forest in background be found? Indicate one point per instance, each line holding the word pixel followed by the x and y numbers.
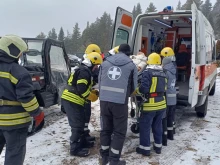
pixel 76 41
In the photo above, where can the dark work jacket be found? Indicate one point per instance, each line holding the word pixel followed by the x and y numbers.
pixel 16 85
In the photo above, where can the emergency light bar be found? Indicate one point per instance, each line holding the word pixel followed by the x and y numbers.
pixel 162 23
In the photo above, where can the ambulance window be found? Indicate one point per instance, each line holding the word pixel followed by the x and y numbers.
pixel 121 37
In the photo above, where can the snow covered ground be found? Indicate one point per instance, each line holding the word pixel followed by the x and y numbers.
pixel 197 141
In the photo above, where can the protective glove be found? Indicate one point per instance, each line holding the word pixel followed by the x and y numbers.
pixel 92 96
pixel 95 92
pixel 39 119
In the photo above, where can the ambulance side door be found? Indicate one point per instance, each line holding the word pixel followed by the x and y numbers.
pixel 122 31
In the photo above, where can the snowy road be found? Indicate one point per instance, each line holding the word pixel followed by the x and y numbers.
pixel 197 141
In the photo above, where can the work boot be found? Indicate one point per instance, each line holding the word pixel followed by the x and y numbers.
pixel 88 144
pixel 120 162
pixel 90 138
pixel 143 152
pixel 104 160
pixel 83 152
pixel 164 140
pixel 174 127
pixel 170 135
pixel 157 149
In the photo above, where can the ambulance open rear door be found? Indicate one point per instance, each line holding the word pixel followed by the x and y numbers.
pixel 122 32
pixel 198 46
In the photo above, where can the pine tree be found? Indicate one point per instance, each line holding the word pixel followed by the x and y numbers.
pixel 187 5
pixel 76 39
pixel 178 6
pixel 215 16
pixel 52 34
pixel 41 35
pixel 61 35
pixel 151 8
pixel 68 42
pixel 217 26
pixel 206 8
pixel 105 26
pixel 136 11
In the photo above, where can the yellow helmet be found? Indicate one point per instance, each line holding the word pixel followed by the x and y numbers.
pixel 114 51
pixel 13 45
pixel 166 52
pixel 154 59
pixel 93 48
pixel 95 58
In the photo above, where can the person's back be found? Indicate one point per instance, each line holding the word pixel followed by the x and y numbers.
pixel 17 100
pixel 152 87
pixel 182 57
pixel 117 81
pixel 168 121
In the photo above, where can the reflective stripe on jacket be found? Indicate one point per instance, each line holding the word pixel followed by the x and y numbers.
pixel 16 87
pixel 78 86
pixel 153 81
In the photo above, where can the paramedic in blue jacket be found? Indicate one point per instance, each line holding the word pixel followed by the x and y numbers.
pixel 117 81
pixel 170 70
pixel 152 87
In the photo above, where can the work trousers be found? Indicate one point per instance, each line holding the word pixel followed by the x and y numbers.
pixel 15 141
pixel 87 116
pixel 150 120
pixel 76 117
pixel 168 124
pixel 114 118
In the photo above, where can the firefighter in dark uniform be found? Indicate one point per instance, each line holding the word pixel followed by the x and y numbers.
pixel 90 139
pixel 152 87
pixel 74 97
pixel 17 101
pixel 170 70
pixel 117 81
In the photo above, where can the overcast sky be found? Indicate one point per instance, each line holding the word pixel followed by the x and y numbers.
pixel 28 18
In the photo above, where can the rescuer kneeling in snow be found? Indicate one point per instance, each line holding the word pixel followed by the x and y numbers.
pixel 152 87
pixel 117 81
pixel 74 97
pixel 17 101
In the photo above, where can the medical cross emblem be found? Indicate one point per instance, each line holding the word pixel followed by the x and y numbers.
pixel 114 73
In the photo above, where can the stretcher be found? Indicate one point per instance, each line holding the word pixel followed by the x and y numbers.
pixel 136 107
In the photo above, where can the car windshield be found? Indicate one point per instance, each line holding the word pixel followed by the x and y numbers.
pixel 34 53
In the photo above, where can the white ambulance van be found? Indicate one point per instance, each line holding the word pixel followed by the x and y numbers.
pixel 190 34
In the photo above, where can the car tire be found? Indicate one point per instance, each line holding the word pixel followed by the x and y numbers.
pixel 201 111
pixel 212 91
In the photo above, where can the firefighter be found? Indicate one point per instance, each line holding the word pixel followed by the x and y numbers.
pixel 152 87
pixel 111 52
pixel 117 81
pixel 17 101
pixel 170 70
pixel 91 139
pixel 77 92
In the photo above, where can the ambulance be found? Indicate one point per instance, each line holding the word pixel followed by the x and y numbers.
pixel 189 34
